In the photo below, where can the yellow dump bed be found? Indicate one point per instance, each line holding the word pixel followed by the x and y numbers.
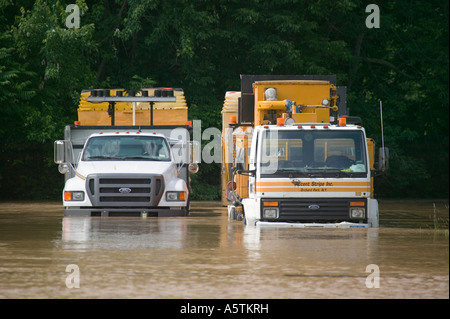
pixel 164 113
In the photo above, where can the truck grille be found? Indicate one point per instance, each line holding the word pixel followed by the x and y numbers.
pixel 139 190
pixel 313 209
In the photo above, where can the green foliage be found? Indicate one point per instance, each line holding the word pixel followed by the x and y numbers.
pixel 138 83
pixel 15 88
pixel 204 184
pixel 203 46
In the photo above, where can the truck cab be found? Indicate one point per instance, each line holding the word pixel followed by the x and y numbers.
pixel 310 174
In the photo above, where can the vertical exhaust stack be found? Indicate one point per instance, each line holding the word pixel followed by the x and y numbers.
pixel 383 152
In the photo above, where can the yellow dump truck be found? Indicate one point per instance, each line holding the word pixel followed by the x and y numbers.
pixel 292 156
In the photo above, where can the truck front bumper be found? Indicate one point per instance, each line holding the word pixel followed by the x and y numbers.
pixel 312 225
pixel 127 212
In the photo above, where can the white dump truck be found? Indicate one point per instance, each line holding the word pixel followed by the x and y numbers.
pixel 127 170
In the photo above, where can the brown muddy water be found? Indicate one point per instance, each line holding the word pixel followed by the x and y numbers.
pixel 46 255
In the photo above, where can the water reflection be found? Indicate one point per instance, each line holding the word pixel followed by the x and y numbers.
pixel 353 245
pixel 161 233
pixel 207 256
pixel 122 233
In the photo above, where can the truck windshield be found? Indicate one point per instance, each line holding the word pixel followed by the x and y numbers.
pixel 127 148
pixel 313 153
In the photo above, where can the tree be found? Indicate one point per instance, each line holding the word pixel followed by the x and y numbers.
pixel 404 63
pixel 203 47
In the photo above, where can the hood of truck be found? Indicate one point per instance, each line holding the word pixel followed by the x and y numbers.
pixel 124 167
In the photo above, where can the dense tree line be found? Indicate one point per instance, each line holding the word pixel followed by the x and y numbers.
pixel 203 46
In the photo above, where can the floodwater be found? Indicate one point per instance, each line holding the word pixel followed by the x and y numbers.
pixel 46 255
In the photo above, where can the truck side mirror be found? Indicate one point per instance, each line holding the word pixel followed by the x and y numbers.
pixel 194 157
pixel 193 168
pixel 60 154
pixel 240 159
pixel 195 151
pixel 383 159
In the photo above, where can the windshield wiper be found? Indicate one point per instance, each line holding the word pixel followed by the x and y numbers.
pixel 346 174
pixel 145 158
pixel 137 157
pixel 338 172
pixel 331 172
pixel 103 157
pixel 291 171
pixel 322 171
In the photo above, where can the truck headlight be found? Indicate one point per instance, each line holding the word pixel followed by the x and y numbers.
pixel 357 212
pixel 175 196
pixel 270 213
pixel 74 196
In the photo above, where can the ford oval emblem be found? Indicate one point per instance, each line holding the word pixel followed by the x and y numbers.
pixel 124 190
pixel 314 206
